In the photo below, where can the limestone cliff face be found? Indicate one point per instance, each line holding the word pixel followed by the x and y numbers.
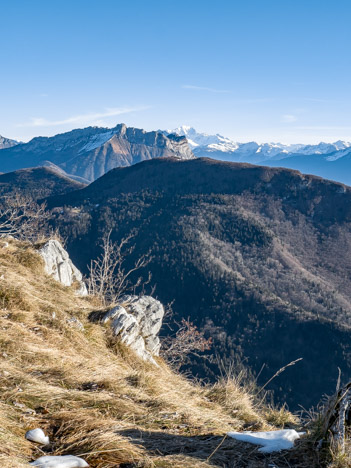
pixel 91 152
pixel 125 147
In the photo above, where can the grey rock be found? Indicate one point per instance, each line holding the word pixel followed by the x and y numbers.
pixel 59 266
pixel 75 323
pixel 112 313
pixel 153 344
pixel 18 405
pixel 137 321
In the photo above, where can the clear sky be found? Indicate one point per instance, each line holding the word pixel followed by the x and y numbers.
pixel 264 70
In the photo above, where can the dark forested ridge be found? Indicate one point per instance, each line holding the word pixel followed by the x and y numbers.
pixel 257 256
pixel 37 182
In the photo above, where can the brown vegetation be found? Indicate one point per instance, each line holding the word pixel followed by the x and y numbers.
pixel 106 404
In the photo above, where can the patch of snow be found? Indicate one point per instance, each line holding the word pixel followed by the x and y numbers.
pixel 271 441
pixel 64 461
pixel 97 140
pixel 338 154
pixel 192 143
pixel 37 435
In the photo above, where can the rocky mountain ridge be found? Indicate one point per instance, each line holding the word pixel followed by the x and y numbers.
pixel 7 142
pixel 91 152
pixel 86 154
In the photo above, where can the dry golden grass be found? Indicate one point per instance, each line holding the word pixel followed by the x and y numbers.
pixel 341 459
pixel 280 417
pixel 102 401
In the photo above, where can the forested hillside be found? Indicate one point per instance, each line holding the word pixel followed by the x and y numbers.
pixel 257 257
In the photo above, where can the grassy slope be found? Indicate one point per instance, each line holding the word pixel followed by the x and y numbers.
pixel 140 415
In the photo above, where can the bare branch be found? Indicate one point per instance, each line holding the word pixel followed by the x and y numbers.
pixel 23 218
pixel 187 340
pixel 108 278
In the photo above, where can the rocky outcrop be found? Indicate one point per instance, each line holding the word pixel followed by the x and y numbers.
pixel 60 267
pixel 136 321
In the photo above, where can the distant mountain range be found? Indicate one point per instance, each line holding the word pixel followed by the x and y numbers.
pixel 329 160
pixel 86 154
pixel 204 145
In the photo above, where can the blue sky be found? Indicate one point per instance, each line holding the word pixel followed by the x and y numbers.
pixel 265 70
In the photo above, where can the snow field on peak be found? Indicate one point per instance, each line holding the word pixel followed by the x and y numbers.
pixel 97 140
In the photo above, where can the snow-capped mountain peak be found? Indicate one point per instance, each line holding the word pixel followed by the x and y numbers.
pixel 195 139
pixel 220 147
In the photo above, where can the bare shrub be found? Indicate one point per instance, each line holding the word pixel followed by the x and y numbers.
pixel 187 340
pixel 108 277
pixel 23 218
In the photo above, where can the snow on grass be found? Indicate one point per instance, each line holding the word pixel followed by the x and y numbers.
pixel 37 435
pixel 64 461
pixel 271 441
